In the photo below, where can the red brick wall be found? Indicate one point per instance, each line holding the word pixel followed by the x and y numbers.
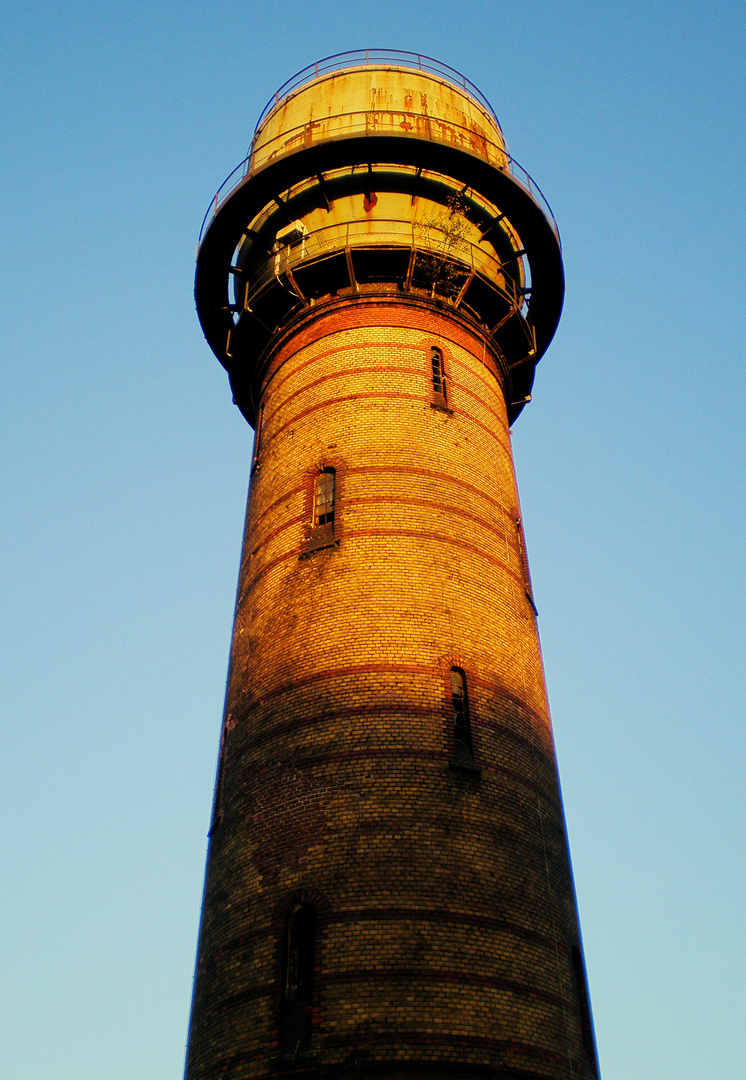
pixel 444 902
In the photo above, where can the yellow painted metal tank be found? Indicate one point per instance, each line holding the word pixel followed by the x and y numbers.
pixel 379 99
pixel 371 174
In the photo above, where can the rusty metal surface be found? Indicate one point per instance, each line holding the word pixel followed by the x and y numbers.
pixel 366 154
pixel 378 58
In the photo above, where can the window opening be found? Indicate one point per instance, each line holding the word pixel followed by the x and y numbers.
pixel 323 512
pixel 257 437
pixel 586 1024
pixel 524 566
pixel 300 955
pixel 461 726
pixel 439 377
pixel 217 806
pixel 296 1025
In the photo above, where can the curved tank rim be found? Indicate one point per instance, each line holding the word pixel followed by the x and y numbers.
pixel 215 251
pixel 241 174
pixel 376 59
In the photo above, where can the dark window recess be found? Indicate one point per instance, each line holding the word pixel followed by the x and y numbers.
pixel 439 375
pixel 323 498
pixel 297 998
pixel 217 805
pixel 257 438
pixel 300 955
pixel 524 566
pixel 586 1024
pixel 461 725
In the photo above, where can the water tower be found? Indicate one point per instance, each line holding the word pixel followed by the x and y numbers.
pixel 388 891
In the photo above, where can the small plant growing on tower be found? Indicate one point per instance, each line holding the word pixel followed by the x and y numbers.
pixel 440 266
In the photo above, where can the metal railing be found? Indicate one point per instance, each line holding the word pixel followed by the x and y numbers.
pixel 374 58
pixel 389 233
pixel 397 122
pixel 516 171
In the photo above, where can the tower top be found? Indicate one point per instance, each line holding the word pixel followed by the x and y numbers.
pixel 383 59
pixel 378 172
pixel 368 98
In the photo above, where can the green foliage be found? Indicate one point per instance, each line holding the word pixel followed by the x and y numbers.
pixel 442 235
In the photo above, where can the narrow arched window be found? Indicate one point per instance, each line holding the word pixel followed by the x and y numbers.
pixel 296 1013
pixel 257 438
pixel 524 565
pixel 586 1023
pixel 299 955
pixel 323 500
pixel 439 375
pixel 461 727
pixel 217 804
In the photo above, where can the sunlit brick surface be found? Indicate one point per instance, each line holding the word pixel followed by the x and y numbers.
pixel 444 901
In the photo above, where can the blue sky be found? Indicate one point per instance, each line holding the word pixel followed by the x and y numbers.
pixel 124 481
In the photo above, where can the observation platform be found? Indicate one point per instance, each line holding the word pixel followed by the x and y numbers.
pixel 378 172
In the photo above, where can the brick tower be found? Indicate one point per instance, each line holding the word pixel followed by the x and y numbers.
pixel 388 890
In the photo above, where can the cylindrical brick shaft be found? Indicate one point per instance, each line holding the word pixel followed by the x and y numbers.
pixel 388 889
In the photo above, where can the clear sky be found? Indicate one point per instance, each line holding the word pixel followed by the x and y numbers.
pixel 125 465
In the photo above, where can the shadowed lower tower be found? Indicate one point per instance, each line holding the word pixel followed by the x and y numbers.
pixel 388 889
